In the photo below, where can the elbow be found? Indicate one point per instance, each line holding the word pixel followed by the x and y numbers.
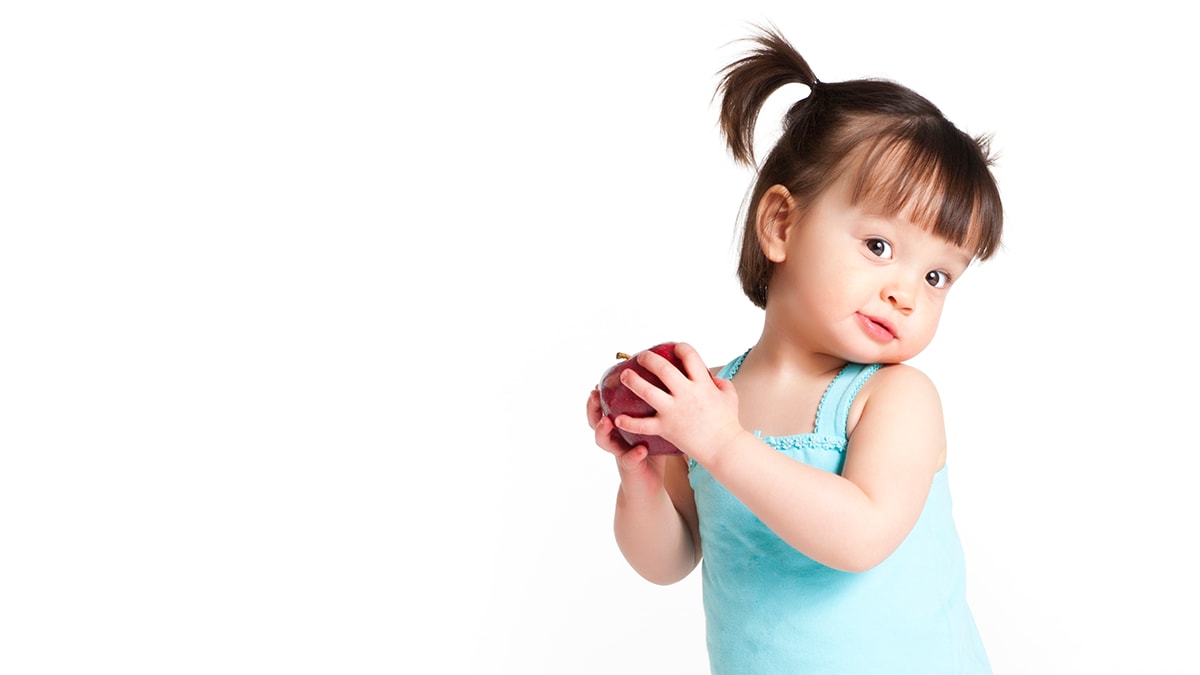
pixel 858 566
pixel 661 580
pixel 660 571
pixel 860 557
pixel 664 577
pixel 866 548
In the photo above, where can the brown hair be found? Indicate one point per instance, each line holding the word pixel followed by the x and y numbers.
pixel 907 156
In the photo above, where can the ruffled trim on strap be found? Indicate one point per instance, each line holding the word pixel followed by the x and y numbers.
pixel 732 367
pixel 804 441
pixel 796 443
pixel 844 411
pixel 825 397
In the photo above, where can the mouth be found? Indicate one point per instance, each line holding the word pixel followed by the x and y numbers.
pixel 877 327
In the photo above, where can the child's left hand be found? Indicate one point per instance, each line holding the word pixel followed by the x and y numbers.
pixel 698 413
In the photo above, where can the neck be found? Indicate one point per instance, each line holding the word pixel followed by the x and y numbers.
pixel 785 354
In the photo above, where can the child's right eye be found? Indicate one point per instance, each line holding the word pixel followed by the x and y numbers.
pixel 879 247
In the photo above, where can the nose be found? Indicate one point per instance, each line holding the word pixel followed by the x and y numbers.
pixel 899 294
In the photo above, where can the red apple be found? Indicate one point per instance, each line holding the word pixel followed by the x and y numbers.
pixel 617 399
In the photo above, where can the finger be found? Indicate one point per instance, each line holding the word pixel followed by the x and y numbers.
pixel 726 386
pixel 593 409
pixel 644 389
pixel 633 458
pixel 693 365
pixel 671 377
pixel 646 426
pixel 609 439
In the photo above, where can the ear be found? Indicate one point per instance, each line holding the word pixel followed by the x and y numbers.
pixel 777 212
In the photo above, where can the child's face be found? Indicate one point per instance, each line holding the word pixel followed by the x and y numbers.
pixel 861 286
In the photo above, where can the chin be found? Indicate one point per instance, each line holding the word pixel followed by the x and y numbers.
pixel 876 355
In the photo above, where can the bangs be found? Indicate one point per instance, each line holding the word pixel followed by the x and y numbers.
pixel 938 178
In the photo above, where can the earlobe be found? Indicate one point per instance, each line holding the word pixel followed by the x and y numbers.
pixel 777 211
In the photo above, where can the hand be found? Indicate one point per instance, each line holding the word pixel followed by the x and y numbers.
pixel 641 474
pixel 698 412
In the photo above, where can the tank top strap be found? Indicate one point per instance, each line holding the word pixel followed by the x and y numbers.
pixel 833 413
pixel 731 368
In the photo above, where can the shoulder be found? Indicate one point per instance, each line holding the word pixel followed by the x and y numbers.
pixel 900 378
pixel 898 417
pixel 899 388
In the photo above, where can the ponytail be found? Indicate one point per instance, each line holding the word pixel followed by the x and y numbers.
pixel 747 83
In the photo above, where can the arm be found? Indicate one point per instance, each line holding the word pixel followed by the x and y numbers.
pixel 897 445
pixel 655 520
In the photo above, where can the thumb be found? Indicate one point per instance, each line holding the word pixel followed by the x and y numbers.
pixel 630 461
pixel 725 386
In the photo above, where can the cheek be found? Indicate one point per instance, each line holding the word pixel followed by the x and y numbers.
pixel 935 300
pixel 929 310
pixel 929 322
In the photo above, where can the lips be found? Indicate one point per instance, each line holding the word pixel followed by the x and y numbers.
pixel 878 328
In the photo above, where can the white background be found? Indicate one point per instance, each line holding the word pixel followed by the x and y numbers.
pixel 300 303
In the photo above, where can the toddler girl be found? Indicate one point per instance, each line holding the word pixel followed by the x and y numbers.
pixel 813 482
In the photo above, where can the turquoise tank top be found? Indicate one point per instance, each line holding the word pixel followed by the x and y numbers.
pixel 771 609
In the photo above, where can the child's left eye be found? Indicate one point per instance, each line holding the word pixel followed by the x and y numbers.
pixel 879 247
pixel 938 279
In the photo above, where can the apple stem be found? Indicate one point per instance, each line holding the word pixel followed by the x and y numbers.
pixel 623 356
